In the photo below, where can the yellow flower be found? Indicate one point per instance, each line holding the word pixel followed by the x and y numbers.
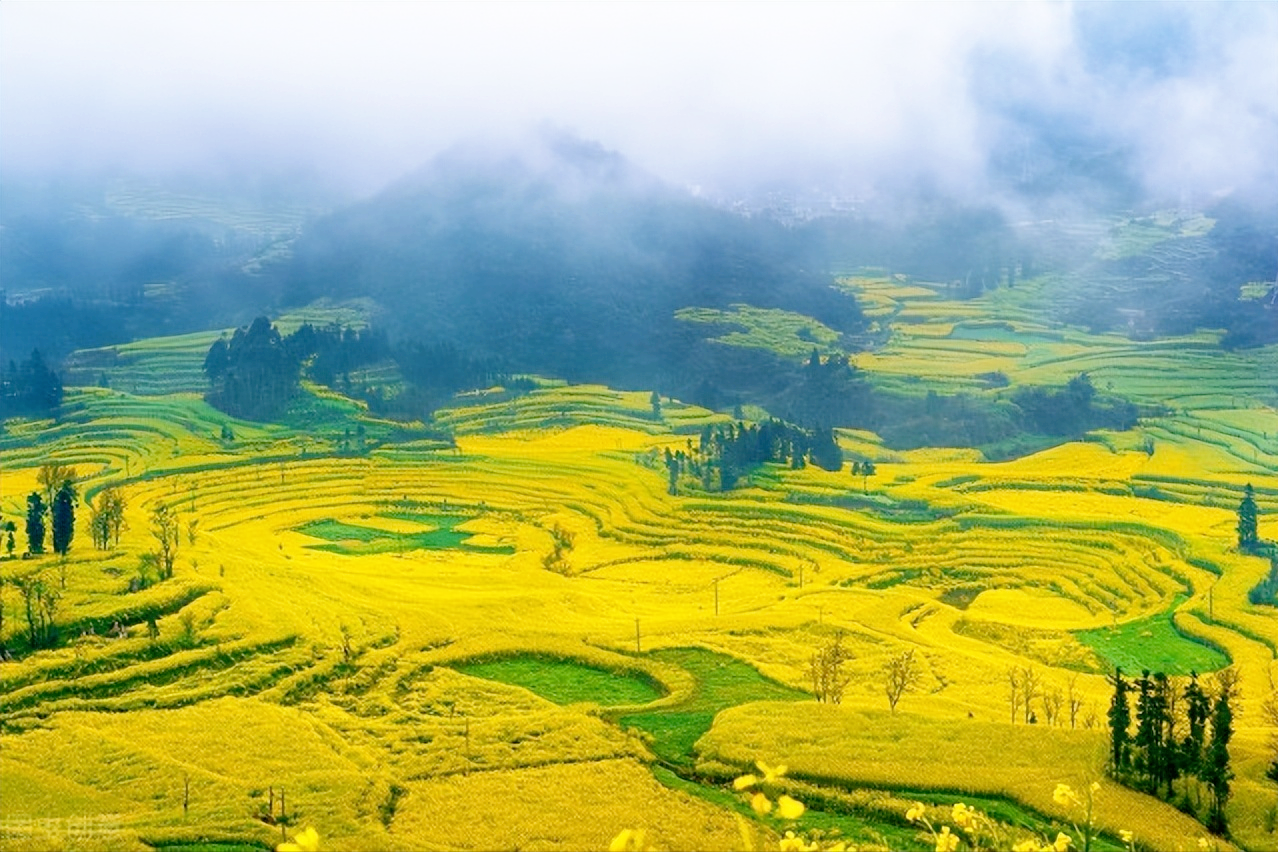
pixel 305 841
pixel 788 808
pixel 963 816
pixel 629 840
pixel 1063 842
pixel 745 781
pixel 770 774
pixel 915 812
pixel 1126 836
pixel 1203 843
pixel 762 804
pixel 1030 845
pixel 946 842
pixel 1095 786
pixel 791 843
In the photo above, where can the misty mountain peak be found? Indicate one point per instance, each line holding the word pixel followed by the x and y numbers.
pixel 551 159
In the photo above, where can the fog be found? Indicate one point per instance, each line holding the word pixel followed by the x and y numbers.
pixel 728 98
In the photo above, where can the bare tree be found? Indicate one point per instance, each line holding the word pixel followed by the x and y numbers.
pixel 900 675
pixel 826 670
pixel 1052 701
pixel 1014 690
pixel 1030 688
pixel 1075 700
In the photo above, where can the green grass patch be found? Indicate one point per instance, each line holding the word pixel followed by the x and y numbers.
pixel 1152 643
pixel 721 682
pixel 356 540
pixel 565 681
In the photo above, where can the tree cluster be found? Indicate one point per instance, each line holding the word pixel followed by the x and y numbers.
pixel 30 388
pixel 725 454
pixel 1073 409
pixel 1181 732
pixel 106 519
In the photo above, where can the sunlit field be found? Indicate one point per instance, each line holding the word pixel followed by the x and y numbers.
pixel 524 641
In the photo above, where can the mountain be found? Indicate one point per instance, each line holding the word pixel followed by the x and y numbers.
pixel 560 257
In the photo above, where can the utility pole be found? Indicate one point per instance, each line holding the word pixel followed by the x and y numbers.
pixel 638 649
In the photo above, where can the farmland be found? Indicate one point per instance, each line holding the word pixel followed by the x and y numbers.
pixel 521 639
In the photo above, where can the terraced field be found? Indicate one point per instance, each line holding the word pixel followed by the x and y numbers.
pixel 524 640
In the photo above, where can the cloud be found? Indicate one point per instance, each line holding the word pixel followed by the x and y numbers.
pixel 707 93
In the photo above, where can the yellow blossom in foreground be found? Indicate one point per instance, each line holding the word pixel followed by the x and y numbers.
pixel 1064 795
pixel 629 840
pixel 946 842
pixel 915 812
pixel 745 781
pixel 791 843
pixel 305 841
pixel 762 804
pixel 1030 845
pixel 963 816
pixel 1063 842
pixel 788 808
pixel 770 773
pixel 1126 836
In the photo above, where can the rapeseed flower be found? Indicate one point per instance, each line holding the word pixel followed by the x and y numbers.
pixel 306 840
pixel 788 808
pixel 945 841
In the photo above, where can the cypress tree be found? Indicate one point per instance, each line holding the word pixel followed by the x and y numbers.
pixel 1197 709
pixel 1217 773
pixel 35 523
pixel 1147 728
pixel 1247 533
pixel 1164 758
pixel 63 518
pixel 1120 719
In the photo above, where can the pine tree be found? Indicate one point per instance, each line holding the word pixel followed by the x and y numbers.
pixel 1216 771
pixel 1120 719
pixel 1164 761
pixel 1197 709
pixel 1147 729
pixel 35 523
pixel 63 518
pixel 1247 532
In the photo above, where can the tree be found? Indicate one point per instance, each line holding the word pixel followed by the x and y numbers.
pixel 1247 533
pixel 866 470
pixel 1120 719
pixel 1216 771
pixel 655 402
pixel 1197 709
pixel 40 602
pixel 1014 690
pixel 826 670
pixel 165 528
pixel 9 544
pixel 1029 691
pixel 63 518
pixel 35 523
pixel 52 476
pixel 114 505
pixel 900 675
